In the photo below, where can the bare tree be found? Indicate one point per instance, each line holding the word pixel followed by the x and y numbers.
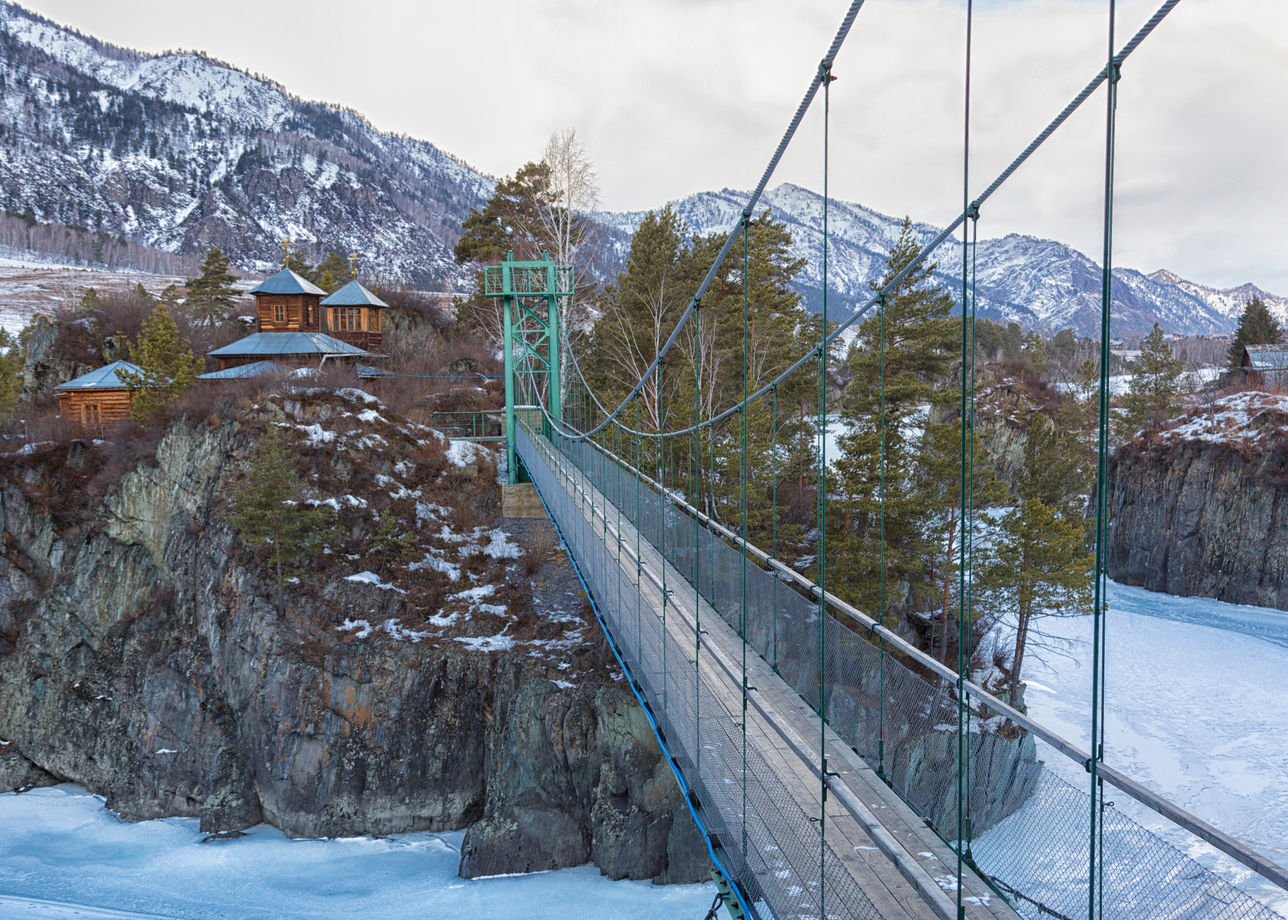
pixel 571 195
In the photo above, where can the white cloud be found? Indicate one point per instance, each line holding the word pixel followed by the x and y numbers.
pixel 676 96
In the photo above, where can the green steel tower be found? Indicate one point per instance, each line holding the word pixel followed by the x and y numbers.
pixel 529 293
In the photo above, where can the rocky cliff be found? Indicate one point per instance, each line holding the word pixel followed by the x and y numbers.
pixel 148 655
pixel 1199 507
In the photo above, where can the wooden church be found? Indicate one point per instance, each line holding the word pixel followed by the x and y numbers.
pixel 291 317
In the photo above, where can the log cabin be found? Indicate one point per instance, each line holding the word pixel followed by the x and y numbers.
pixel 100 398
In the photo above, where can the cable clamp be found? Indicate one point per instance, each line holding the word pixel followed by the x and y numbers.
pixel 1114 70
pixel 825 73
pixel 972 211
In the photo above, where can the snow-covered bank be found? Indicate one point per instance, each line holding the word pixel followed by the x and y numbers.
pixel 63 855
pixel 1194 711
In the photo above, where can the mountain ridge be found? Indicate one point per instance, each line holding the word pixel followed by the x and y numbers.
pixel 178 151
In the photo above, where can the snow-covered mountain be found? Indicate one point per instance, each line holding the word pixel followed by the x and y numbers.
pixel 180 152
pixel 1040 284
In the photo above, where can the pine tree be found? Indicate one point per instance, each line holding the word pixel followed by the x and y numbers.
pixel 920 346
pixel 333 272
pixel 212 295
pixel 268 512
pixel 90 301
pixel 1154 394
pixel 11 361
pixel 168 365
pixel 1256 327
pixel 1039 561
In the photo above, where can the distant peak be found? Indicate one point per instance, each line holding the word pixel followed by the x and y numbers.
pixel 1163 276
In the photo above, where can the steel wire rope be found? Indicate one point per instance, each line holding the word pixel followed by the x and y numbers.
pixel 811 91
pixel 967 471
pixel 881 506
pixel 743 472
pixel 1095 873
pixel 826 78
pixel 1064 115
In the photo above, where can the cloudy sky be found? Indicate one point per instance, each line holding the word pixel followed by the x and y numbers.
pixel 677 96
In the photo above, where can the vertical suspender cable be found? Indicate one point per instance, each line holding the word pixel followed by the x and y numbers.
pixel 881 575
pixel 963 575
pixel 1095 874
pixel 773 505
pixel 825 75
pixel 745 468
pixel 697 552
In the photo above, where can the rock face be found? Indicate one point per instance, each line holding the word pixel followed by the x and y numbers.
pixel 1200 508
pixel 146 655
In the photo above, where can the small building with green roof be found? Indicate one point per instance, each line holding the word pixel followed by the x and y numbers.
pixel 98 398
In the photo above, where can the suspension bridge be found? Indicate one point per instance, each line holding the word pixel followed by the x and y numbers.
pixel 835 769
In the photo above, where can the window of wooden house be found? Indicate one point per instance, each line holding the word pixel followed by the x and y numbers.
pixel 375 320
pixel 347 319
pixel 279 313
pixel 90 413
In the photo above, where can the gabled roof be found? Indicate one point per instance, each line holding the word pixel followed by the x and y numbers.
pixel 103 378
pixel 287 282
pixel 1268 357
pixel 353 294
pixel 289 343
pixel 242 371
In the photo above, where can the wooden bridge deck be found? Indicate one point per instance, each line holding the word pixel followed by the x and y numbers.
pixel 904 869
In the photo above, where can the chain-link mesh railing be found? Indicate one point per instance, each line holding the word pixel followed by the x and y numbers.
pixel 1027 826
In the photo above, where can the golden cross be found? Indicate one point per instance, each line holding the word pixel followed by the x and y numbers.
pixel 286 251
pixel 353 263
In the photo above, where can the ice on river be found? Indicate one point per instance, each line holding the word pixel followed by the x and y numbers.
pixel 64 856
pixel 1194 711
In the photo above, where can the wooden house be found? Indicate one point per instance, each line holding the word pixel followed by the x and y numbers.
pixel 1265 365
pixel 287 302
pixel 289 317
pixel 99 398
pixel 353 316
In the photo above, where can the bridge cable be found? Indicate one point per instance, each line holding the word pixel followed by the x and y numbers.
pixel 744 470
pixel 1152 23
pixel 833 49
pixel 1095 875
pixel 826 78
pixel 881 576
pixel 773 504
pixel 965 497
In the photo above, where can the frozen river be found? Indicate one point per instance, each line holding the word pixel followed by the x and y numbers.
pixel 1195 712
